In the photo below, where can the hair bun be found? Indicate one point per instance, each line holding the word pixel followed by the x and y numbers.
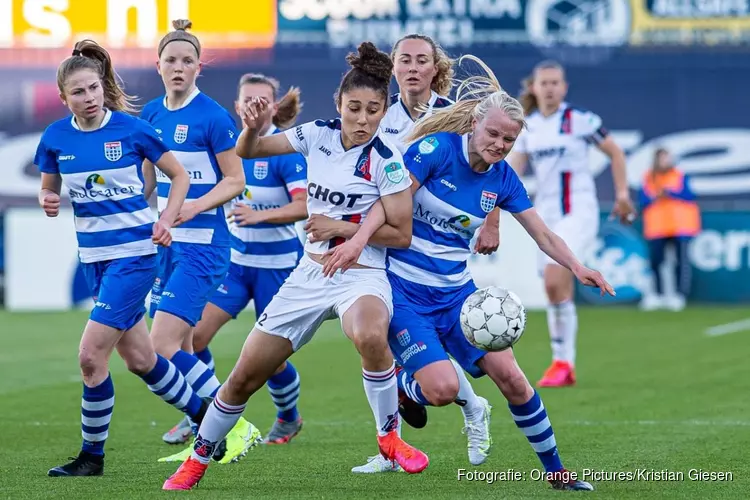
pixel 182 24
pixel 370 60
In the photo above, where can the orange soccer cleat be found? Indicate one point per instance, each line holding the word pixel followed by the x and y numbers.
pixel 408 457
pixel 187 476
pixel 559 374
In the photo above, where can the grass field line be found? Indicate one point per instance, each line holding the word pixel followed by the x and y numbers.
pixel 727 328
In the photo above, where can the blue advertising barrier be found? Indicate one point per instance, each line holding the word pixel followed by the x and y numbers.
pixel 719 258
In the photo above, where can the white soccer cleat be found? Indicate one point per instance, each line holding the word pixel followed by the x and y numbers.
pixel 377 464
pixel 477 430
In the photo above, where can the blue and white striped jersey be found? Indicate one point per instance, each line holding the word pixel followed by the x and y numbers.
pixel 398 123
pixel 102 171
pixel 269 183
pixel 195 133
pixel 449 206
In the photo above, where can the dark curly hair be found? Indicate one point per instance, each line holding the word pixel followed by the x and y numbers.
pixel 371 69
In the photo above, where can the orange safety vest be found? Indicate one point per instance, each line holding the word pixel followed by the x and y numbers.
pixel 668 217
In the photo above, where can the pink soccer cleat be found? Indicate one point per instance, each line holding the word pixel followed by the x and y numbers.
pixel 559 374
pixel 187 476
pixel 408 457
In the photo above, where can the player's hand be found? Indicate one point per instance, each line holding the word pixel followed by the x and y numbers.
pixel 188 211
pixel 624 210
pixel 342 257
pixel 243 215
pixel 51 204
pixel 589 277
pixel 321 228
pixel 488 239
pixel 160 234
pixel 254 113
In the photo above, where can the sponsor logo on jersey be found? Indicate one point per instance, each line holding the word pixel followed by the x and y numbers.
pixel 299 134
pixel 394 172
pixel 94 187
pixel 260 170
pixel 447 184
pixel 180 134
pixel 412 350
pixel 428 145
pixel 389 130
pixel 325 150
pixel 460 223
pixel 113 150
pixel 336 198
pixel 488 201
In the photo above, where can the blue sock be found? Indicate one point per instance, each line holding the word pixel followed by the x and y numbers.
pixel 207 358
pixel 284 389
pixel 166 381
pixel 411 388
pixel 96 412
pixel 198 375
pixel 531 418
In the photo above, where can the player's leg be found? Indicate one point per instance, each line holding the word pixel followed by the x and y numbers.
pixel 365 308
pixel 530 415
pixel 289 322
pixel 579 231
pixel 656 251
pixel 682 273
pixel 226 302
pixel 284 384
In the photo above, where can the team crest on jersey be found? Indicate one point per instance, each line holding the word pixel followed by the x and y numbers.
pixel 113 150
pixel 428 145
pixel 488 201
pixel 180 133
pixel 395 172
pixel 260 170
pixel 403 338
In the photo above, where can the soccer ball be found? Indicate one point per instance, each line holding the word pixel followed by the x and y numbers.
pixel 493 319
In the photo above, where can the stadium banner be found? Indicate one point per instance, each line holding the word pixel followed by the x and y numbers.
pixel 543 23
pixel 40 32
pixel 719 258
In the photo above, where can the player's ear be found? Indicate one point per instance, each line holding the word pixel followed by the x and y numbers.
pixel 237 108
pixel 62 98
pixel 158 66
pixel 474 123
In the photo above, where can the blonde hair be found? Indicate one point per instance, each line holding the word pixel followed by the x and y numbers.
pixel 442 83
pixel 87 54
pixel 527 98
pixel 288 107
pixel 475 96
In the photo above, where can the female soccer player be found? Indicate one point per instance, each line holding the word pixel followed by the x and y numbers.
pixel 202 136
pixel 424 74
pixel 97 154
pixel 463 145
pixel 265 250
pixel 350 167
pixel 556 146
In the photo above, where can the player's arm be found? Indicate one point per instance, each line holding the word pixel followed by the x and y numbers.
pixel 49 194
pixel 250 144
pixel 518 161
pixel 294 211
pixel 149 178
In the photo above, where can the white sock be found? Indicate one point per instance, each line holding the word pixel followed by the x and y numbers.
pixel 219 420
pixel 562 321
pixel 468 398
pixel 382 394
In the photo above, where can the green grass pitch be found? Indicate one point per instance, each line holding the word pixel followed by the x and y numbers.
pixel 654 393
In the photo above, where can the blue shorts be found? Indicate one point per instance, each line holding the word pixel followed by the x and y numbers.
pixel 189 273
pixel 119 288
pixel 244 283
pixel 425 327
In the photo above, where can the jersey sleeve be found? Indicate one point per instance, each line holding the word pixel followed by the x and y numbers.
pixel 46 159
pixel 148 143
pixel 514 197
pixel 222 133
pixel 391 176
pixel 589 126
pixel 424 157
pixel 302 137
pixel 294 173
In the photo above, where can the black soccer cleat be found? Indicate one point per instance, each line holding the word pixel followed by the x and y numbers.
pixel 563 480
pixel 412 412
pixel 85 464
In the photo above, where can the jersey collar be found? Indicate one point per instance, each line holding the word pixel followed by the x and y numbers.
pixel 431 102
pixel 189 99
pixel 105 121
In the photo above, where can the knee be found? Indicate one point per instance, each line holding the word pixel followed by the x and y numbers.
pixel 241 384
pixel 139 362
pixel 441 391
pixel 201 338
pixel 91 362
pixel 371 339
pixel 558 289
pixel 509 378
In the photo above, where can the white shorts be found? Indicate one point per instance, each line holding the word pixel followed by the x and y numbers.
pixel 307 299
pixel 577 229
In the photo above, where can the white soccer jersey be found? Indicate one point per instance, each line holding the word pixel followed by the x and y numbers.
pixel 398 123
pixel 344 185
pixel 558 150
